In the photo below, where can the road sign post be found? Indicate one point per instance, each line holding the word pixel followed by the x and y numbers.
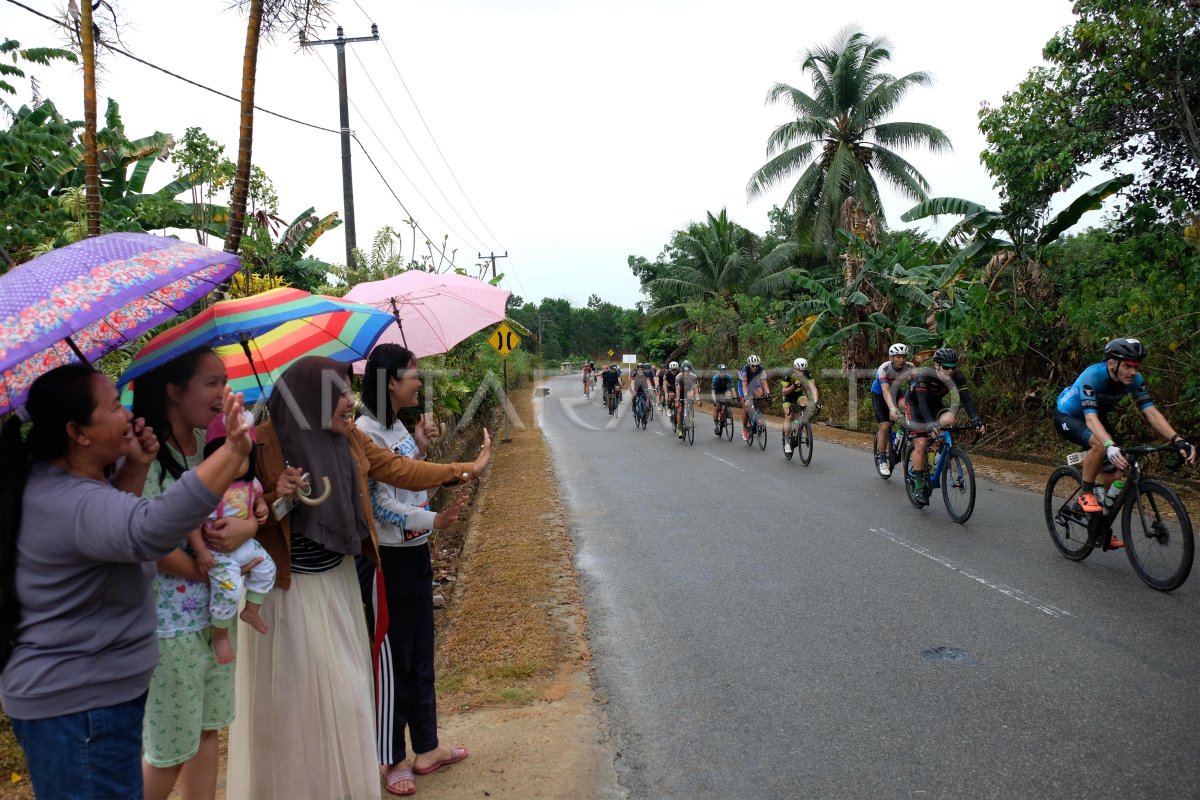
pixel 504 340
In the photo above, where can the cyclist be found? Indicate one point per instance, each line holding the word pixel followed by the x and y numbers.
pixel 587 378
pixel 611 378
pixel 1082 411
pixel 668 383
pixel 639 385
pixel 927 412
pixel 795 387
pixel 687 384
pixel 893 372
pixel 752 383
pixel 722 390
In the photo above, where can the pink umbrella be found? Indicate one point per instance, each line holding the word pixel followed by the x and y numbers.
pixel 433 312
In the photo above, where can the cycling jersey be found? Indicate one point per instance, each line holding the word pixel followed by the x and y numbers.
pixel 930 392
pixel 889 373
pixel 686 381
pixel 751 376
pixel 794 384
pixel 669 379
pixel 721 384
pixel 611 378
pixel 1094 392
pixel 639 383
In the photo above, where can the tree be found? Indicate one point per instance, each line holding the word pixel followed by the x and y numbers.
pixel 839 137
pixel 271 17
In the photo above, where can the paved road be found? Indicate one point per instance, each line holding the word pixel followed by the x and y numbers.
pixel 763 630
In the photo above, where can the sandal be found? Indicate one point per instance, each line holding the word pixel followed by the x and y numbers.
pixel 398 776
pixel 456 754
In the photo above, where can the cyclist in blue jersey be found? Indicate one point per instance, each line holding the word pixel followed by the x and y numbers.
pixel 722 389
pixel 886 392
pixel 1082 415
pixel 752 383
pixel 926 411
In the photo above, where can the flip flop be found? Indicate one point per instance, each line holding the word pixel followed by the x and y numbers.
pixel 394 778
pixel 457 754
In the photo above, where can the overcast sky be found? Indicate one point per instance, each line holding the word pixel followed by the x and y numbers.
pixel 581 132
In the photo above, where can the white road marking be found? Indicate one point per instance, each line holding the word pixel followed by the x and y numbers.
pixel 1008 591
pixel 726 463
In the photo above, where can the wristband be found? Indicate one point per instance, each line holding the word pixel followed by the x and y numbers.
pixel 1109 443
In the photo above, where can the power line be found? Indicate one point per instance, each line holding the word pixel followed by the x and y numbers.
pixel 388 186
pixel 437 147
pixel 382 144
pixel 403 135
pixel 177 76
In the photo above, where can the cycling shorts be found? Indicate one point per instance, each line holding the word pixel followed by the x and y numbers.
pixel 917 420
pixel 882 414
pixel 787 404
pixel 1075 430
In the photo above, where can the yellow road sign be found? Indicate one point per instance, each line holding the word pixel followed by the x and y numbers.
pixel 504 339
pixel 612 352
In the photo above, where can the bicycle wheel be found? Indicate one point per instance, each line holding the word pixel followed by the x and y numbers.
pixel 689 432
pixel 910 487
pixel 1158 535
pixel 761 425
pixel 1067 522
pixel 958 485
pixel 805 445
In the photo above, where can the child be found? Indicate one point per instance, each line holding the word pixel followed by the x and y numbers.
pixel 244 500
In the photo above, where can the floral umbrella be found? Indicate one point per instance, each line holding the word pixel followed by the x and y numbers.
pixel 81 301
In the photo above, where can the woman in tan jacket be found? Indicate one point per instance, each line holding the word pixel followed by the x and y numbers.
pixel 305 720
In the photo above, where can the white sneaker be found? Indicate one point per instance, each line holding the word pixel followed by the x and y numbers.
pixel 884 468
pixel 787 447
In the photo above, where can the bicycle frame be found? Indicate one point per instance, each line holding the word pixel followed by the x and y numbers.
pixel 1100 526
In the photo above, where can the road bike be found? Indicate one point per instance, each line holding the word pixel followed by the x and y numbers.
pixel 895 449
pixel 801 436
pixel 613 399
pixel 649 409
pixel 640 410
pixel 1155 526
pixel 688 422
pixel 758 423
pixel 952 469
pixel 723 420
pixel 587 387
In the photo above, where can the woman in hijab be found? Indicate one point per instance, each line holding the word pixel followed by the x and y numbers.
pixel 305 726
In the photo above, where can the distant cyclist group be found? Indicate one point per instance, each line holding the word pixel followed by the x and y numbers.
pixel 916 398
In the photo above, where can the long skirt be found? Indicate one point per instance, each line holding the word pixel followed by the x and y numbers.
pixel 305 724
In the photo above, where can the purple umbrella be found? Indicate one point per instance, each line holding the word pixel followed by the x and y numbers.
pixel 83 300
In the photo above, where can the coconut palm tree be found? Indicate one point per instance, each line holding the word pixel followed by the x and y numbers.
pixel 839 141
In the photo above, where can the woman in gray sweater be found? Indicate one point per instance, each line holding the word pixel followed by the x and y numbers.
pixel 77 553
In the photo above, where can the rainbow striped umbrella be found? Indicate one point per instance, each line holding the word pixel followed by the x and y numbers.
pixel 341 335
pixel 275 328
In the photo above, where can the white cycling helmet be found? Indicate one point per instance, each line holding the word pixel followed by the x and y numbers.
pixel 800 364
pixel 686 366
pixel 753 361
pixel 673 365
pixel 898 349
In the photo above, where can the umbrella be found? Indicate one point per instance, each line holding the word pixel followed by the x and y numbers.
pixel 433 312
pixel 341 335
pixel 269 330
pixel 81 301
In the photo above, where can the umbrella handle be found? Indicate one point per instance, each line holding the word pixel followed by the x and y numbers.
pixel 304 496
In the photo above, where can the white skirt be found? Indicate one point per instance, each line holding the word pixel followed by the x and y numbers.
pixel 305 724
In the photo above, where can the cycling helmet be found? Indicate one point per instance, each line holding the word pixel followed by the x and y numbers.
pixel 898 349
pixel 722 367
pixel 947 357
pixel 686 366
pixel 1125 350
pixel 673 365
pixel 753 361
pixel 800 364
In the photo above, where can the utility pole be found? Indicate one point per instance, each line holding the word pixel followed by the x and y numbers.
pixel 344 107
pixel 493 257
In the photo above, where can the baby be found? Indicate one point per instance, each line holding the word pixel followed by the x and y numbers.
pixel 244 500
